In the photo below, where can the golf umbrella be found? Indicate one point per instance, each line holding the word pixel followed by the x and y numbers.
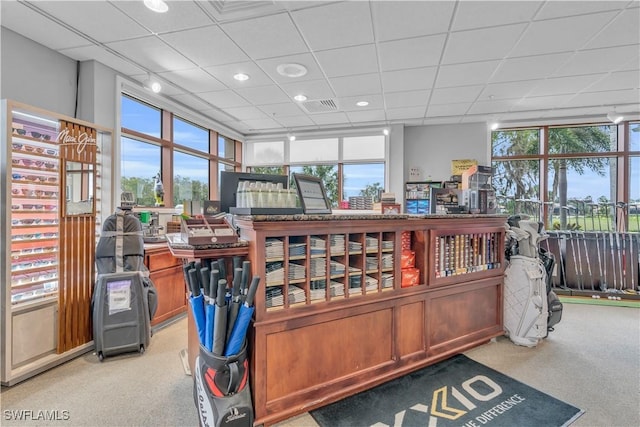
pixel 239 331
pixel 234 305
pixel 210 310
pixel 220 322
pixel 197 304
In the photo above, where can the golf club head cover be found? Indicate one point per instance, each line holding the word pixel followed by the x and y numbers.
pixel 222 392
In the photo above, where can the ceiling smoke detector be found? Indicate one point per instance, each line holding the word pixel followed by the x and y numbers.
pixel 291 70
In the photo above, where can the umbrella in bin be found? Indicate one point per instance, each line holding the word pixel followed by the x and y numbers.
pixel 239 330
pixel 246 272
pixel 204 280
pixel 197 304
pixel 220 322
pixel 234 304
pixel 210 310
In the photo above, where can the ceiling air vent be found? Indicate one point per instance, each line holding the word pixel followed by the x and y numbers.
pixel 320 106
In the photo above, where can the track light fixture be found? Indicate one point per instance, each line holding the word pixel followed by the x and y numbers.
pixel 615 117
pixel 152 84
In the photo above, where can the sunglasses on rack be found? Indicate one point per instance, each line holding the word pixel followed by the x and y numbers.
pixel 49 151
pixel 40 135
pixel 19 131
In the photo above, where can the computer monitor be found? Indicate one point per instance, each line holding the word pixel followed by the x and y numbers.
pixel 229 185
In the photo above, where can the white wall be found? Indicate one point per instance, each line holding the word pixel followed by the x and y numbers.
pixel 36 75
pixel 431 148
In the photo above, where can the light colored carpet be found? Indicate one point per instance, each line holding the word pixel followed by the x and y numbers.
pixel 591 360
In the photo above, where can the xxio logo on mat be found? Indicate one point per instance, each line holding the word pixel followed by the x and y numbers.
pixel 470 399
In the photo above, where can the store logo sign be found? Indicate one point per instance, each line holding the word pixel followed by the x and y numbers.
pixel 80 139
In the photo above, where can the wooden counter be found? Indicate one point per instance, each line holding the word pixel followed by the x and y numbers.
pixel 313 344
pixel 165 272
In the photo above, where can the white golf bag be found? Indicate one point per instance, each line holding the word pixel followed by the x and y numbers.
pixel 531 308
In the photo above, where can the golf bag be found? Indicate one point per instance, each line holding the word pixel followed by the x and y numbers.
pixel 124 298
pixel 221 391
pixel 531 308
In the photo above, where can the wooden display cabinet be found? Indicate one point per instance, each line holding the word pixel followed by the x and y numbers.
pixel 165 271
pixel 332 318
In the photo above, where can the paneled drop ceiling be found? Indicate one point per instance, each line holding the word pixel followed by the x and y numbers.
pixel 414 62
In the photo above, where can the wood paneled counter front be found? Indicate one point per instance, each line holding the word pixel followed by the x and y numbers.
pixel 347 302
pixel 165 271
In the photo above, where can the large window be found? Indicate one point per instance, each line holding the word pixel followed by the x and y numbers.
pixel 140 164
pixel 564 175
pixel 349 166
pixel 147 153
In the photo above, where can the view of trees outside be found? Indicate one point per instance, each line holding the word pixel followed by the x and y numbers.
pixel 581 177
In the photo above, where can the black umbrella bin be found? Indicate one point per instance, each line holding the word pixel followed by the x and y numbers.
pixel 222 392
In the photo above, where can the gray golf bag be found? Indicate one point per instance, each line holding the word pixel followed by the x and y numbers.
pixel 531 308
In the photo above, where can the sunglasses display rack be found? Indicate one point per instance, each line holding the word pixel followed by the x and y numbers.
pixel 51 181
pixel 35 195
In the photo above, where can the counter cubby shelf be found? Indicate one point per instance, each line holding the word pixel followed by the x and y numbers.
pixel 332 312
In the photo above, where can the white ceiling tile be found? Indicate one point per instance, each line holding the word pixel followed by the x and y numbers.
pixel 406 112
pixel 152 53
pixel 294 121
pixel 348 103
pixel 40 28
pixel 314 89
pixel 206 46
pixel 481 45
pixel 410 53
pixel 181 15
pixel 335 25
pixel 362 84
pixel 455 94
pixel 476 14
pixel 225 73
pixel 612 98
pixel 348 60
pixel 417 18
pixel 266 37
pixel 451 109
pixel 529 68
pixel 224 98
pixel 193 80
pixel 465 74
pixel 492 107
pixel 406 99
pixel 217 115
pixel 442 121
pixel 283 109
pixel 270 66
pixel 559 9
pixel 597 60
pixel 564 85
pixel 329 118
pixel 263 95
pixel 542 102
pixel 561 35
pixel 617 81
pixel 404 80
pixel 623 30
pixel 246 113
pixel 366 116
pixel 192 101
pixel 507 90
pixel 258 124
pixel 88 53
pixel 77 13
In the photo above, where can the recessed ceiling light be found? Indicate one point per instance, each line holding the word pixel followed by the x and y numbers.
pixel 292 138
pixel 495 125
pixel 241 77
pixel 300 98
pixel 615 117
pixel 158 6
pixel 291 70
pixel 385 131
pixel 362 103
